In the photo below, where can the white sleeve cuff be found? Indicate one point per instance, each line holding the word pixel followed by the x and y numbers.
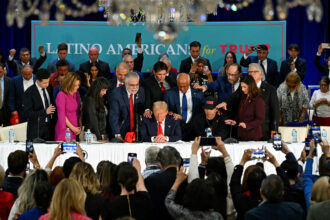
pixel 245 57
pixel 43 54
pixel 10 58
pixel 140 50
pixel 318 54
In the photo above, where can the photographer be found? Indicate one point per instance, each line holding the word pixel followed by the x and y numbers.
pixel 324 69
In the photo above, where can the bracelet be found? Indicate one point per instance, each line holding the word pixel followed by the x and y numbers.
pixel 36 166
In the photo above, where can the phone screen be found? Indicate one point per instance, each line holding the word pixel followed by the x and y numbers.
pixel 208 141
pixel 29 147
pixel 308 147
pixel 277 144
pixel 69 147
pixel 258 154
pixel 316 131
pixel 131 156
pixel 186 164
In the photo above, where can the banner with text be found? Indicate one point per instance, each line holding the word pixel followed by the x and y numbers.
pixel 216 38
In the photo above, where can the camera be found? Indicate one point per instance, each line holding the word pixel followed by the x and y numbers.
pixel 131 157
pixel 258 154
pixel 257 48
pixel 308 147
pixel 316 132
pixel 277 141
pixel 69 147
pixel 208 141
pixel 29 147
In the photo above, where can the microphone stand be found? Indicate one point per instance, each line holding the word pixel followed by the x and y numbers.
pixel 38 139
pixel 138 138
pixel 230 140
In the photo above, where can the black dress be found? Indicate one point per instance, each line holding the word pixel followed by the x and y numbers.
pixel 93 205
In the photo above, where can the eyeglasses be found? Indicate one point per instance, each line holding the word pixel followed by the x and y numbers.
pixel 255 71
pixel 232 75
pixel 133 85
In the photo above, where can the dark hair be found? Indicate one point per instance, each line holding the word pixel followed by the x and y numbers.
pixel 17 162
pixel 42 74
pixel 2 65
pixel 254 180
pixel 324 165
pixel 24 50
pixel 42 195
pixel 62 46
pixel 127 176
pixel 82 76
pixel 130 51
pixel 94 92
pixel 290 167
pixel 56 175
pixel 234 58
pixel 195 44
pixel 263 47
pixel 272 188
pixel 294 46
pixel 69 164
pixel 199 196
pixel 253 90
pixel 168 156
pixel 325 79
pixel 2 57
pixel 239 68
pixel 96 64
pixel 159 66
pixel 106 175
pixel 216 165
pixel 62 63
pixel 100 166
pixel 221 190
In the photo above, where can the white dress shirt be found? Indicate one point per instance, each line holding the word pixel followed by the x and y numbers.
pixel 27 83
pixel 118 83
pixel 264 63
pixel 42 95
pixel 189 103
pixel 236 85
pixel 323 110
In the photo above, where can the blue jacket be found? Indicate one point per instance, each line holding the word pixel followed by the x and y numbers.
pixel 222 86
pixel 52 66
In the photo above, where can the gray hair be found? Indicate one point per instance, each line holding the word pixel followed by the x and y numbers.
pixel 256 65
pixel 164 59
pixel 27 66
pixel 177 77
pixel 272 188
pixel 127 56
pixel 131 75
pixel 151 155
pixel 169 156
pixel 121 66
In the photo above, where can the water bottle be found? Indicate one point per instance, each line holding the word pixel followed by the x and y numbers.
pixel 324 134
pixel 294 136
pixel 11 135
pixel 67 136
pixel 208 132
pixel 88 136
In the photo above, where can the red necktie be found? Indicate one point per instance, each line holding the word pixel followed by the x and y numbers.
pixel 120 84
pixel 159 130
pixel 131 111
pixel 162 87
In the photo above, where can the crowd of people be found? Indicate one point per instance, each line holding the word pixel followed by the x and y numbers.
pixel 163 106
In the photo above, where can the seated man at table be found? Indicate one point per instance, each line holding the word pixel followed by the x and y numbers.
pixel 161 127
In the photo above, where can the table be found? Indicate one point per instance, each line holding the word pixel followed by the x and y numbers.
pixel 117 152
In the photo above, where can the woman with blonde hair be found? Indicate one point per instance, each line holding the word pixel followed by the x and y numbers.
pixel 68 108
pixel 86 177
pixel 320 190
pixel 67 202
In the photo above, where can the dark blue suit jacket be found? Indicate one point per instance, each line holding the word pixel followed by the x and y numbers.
pixel 52 66
pixel 222 86
pixel 150 127
pixel 119 116
pixel 172 98
pixel 15 99
pixel 285 69
pixel 271 71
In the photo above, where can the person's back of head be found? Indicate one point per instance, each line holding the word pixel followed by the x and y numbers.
pixel 221 190
pixel 69 164
pixel 272 188
pixel 127 176
pixel 217 165
pixel 321 190
pixel 151 155
pixel 169 156
pixel 56 175
pixel 100 166
pixel 106 175
pixel 17 162
pixel 324 165
pixel 43 195
pixel 291 168
pixel 254 180
pixel 199 196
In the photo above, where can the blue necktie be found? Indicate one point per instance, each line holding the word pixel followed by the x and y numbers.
pixel 184 108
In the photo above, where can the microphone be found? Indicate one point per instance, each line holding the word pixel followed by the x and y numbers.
pixel 38 139
pixel 138 120
pixel 231 140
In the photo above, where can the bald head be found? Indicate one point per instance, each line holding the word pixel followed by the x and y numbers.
pixel 183 81
pixel 93 54
pixel 27 72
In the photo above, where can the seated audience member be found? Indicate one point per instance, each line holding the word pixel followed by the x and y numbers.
pixel 25 201
pixel 251 111
pixel 6 198
pixel 93 55
pixel 199 200
pixel 134 200
pixel 293 100
pixel 230 57
pixel 202 75
pixel 68 108
pixel 320 191
pixel 5 86
pixel 138 61
pixel 225 85
pixel 94 112
pixel 172 72
pixel 321 210
pixel 86 177
pixel 156 85
pixel 210 118
pixel 25 58
pixel 189 64
pixel 56 176
pixel 128 59
pixel 39 108
pixel 123 109
pixel 17 162
pixel 159 185
pixel 62 69
pixel 68 201
pixel 268 65
pixel 293 64
pixel 62 52
pixel 321 103
pixel 93 73
pixel 18 86
pixel 42 196
pixel 246 196
pixel 152 164
pixel 161 127
pixel 121 71
pixel 183 101
pixel 272 207
pixel 324 69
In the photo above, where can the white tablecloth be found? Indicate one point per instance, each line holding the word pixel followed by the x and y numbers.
pixel 117 152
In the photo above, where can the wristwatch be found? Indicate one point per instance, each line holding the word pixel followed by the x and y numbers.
pixel 117 135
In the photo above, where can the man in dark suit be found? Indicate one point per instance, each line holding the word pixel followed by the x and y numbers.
pixel 268 65
pixel 156 85
pixel 126 104
pixel 25 59
pixel 128 59
pixel 5 82
pixel 268 94
pixel 93 54
pixel 189 65
pixel 293 64
pixel 39 108
pixel 121 71
pixel 272 207
pixel 62 52
pixel 18 86
pixel 183 101
pixel 162 127
pixel 324 69
pixel 138 61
